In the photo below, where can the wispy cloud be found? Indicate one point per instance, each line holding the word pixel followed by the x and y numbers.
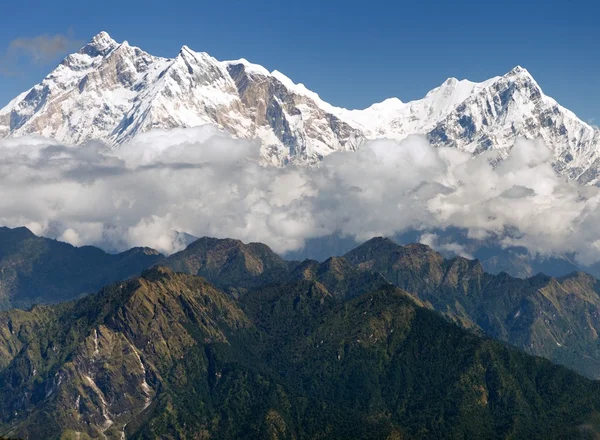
pixel 39 50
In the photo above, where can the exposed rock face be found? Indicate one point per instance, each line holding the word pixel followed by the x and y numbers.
pixel 300 124
pixel 113 91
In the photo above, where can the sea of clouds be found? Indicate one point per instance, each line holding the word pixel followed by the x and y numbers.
pixel 203 182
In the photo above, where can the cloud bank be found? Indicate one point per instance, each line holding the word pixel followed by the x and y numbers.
pixel 203 182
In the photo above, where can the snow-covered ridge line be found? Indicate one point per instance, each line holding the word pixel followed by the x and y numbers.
pixel 114 91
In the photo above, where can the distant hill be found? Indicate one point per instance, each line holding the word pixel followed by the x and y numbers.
pixel 40 270
pixel 557 318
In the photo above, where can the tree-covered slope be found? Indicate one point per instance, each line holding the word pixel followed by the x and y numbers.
pixel 557 318
pixel 169 356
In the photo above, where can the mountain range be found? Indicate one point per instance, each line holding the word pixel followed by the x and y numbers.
pixel 168 355
pixel 114 91
pixel 557 318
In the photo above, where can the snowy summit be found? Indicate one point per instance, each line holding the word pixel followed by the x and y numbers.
pixel 113 91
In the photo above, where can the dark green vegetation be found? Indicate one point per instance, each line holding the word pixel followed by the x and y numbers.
pixel 557 318
pixel 329 352
pixel 264 348
pixel 39 270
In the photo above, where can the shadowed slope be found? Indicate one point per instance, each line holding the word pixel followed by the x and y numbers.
pixel 558 318
pixel 40 270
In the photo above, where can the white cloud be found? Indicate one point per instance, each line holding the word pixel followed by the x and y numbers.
pixel 203 182
pixel 433 241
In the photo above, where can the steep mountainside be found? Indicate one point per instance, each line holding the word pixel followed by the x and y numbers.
pixel 113 91
pixel 169 356
pixel 557 318
pixel 39 270
pixel 514 105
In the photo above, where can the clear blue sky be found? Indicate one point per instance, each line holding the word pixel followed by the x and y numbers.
pixel 351 53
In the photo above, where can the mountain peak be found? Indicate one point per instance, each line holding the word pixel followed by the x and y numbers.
pixel 521 76
pixel 450 81
pixel 374 245
pixel 519 71
pixel 387 104
pixel 189 55
pixel 249 67
pixel 100 44
pixel 380 239
pixel 158 272
pixel 102 39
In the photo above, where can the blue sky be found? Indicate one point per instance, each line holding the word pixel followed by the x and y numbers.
pixel 351 53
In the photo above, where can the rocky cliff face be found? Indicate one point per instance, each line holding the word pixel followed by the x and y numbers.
pixel 113 91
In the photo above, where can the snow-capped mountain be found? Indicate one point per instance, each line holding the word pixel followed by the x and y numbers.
pixel 514 105
pixel 113 91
